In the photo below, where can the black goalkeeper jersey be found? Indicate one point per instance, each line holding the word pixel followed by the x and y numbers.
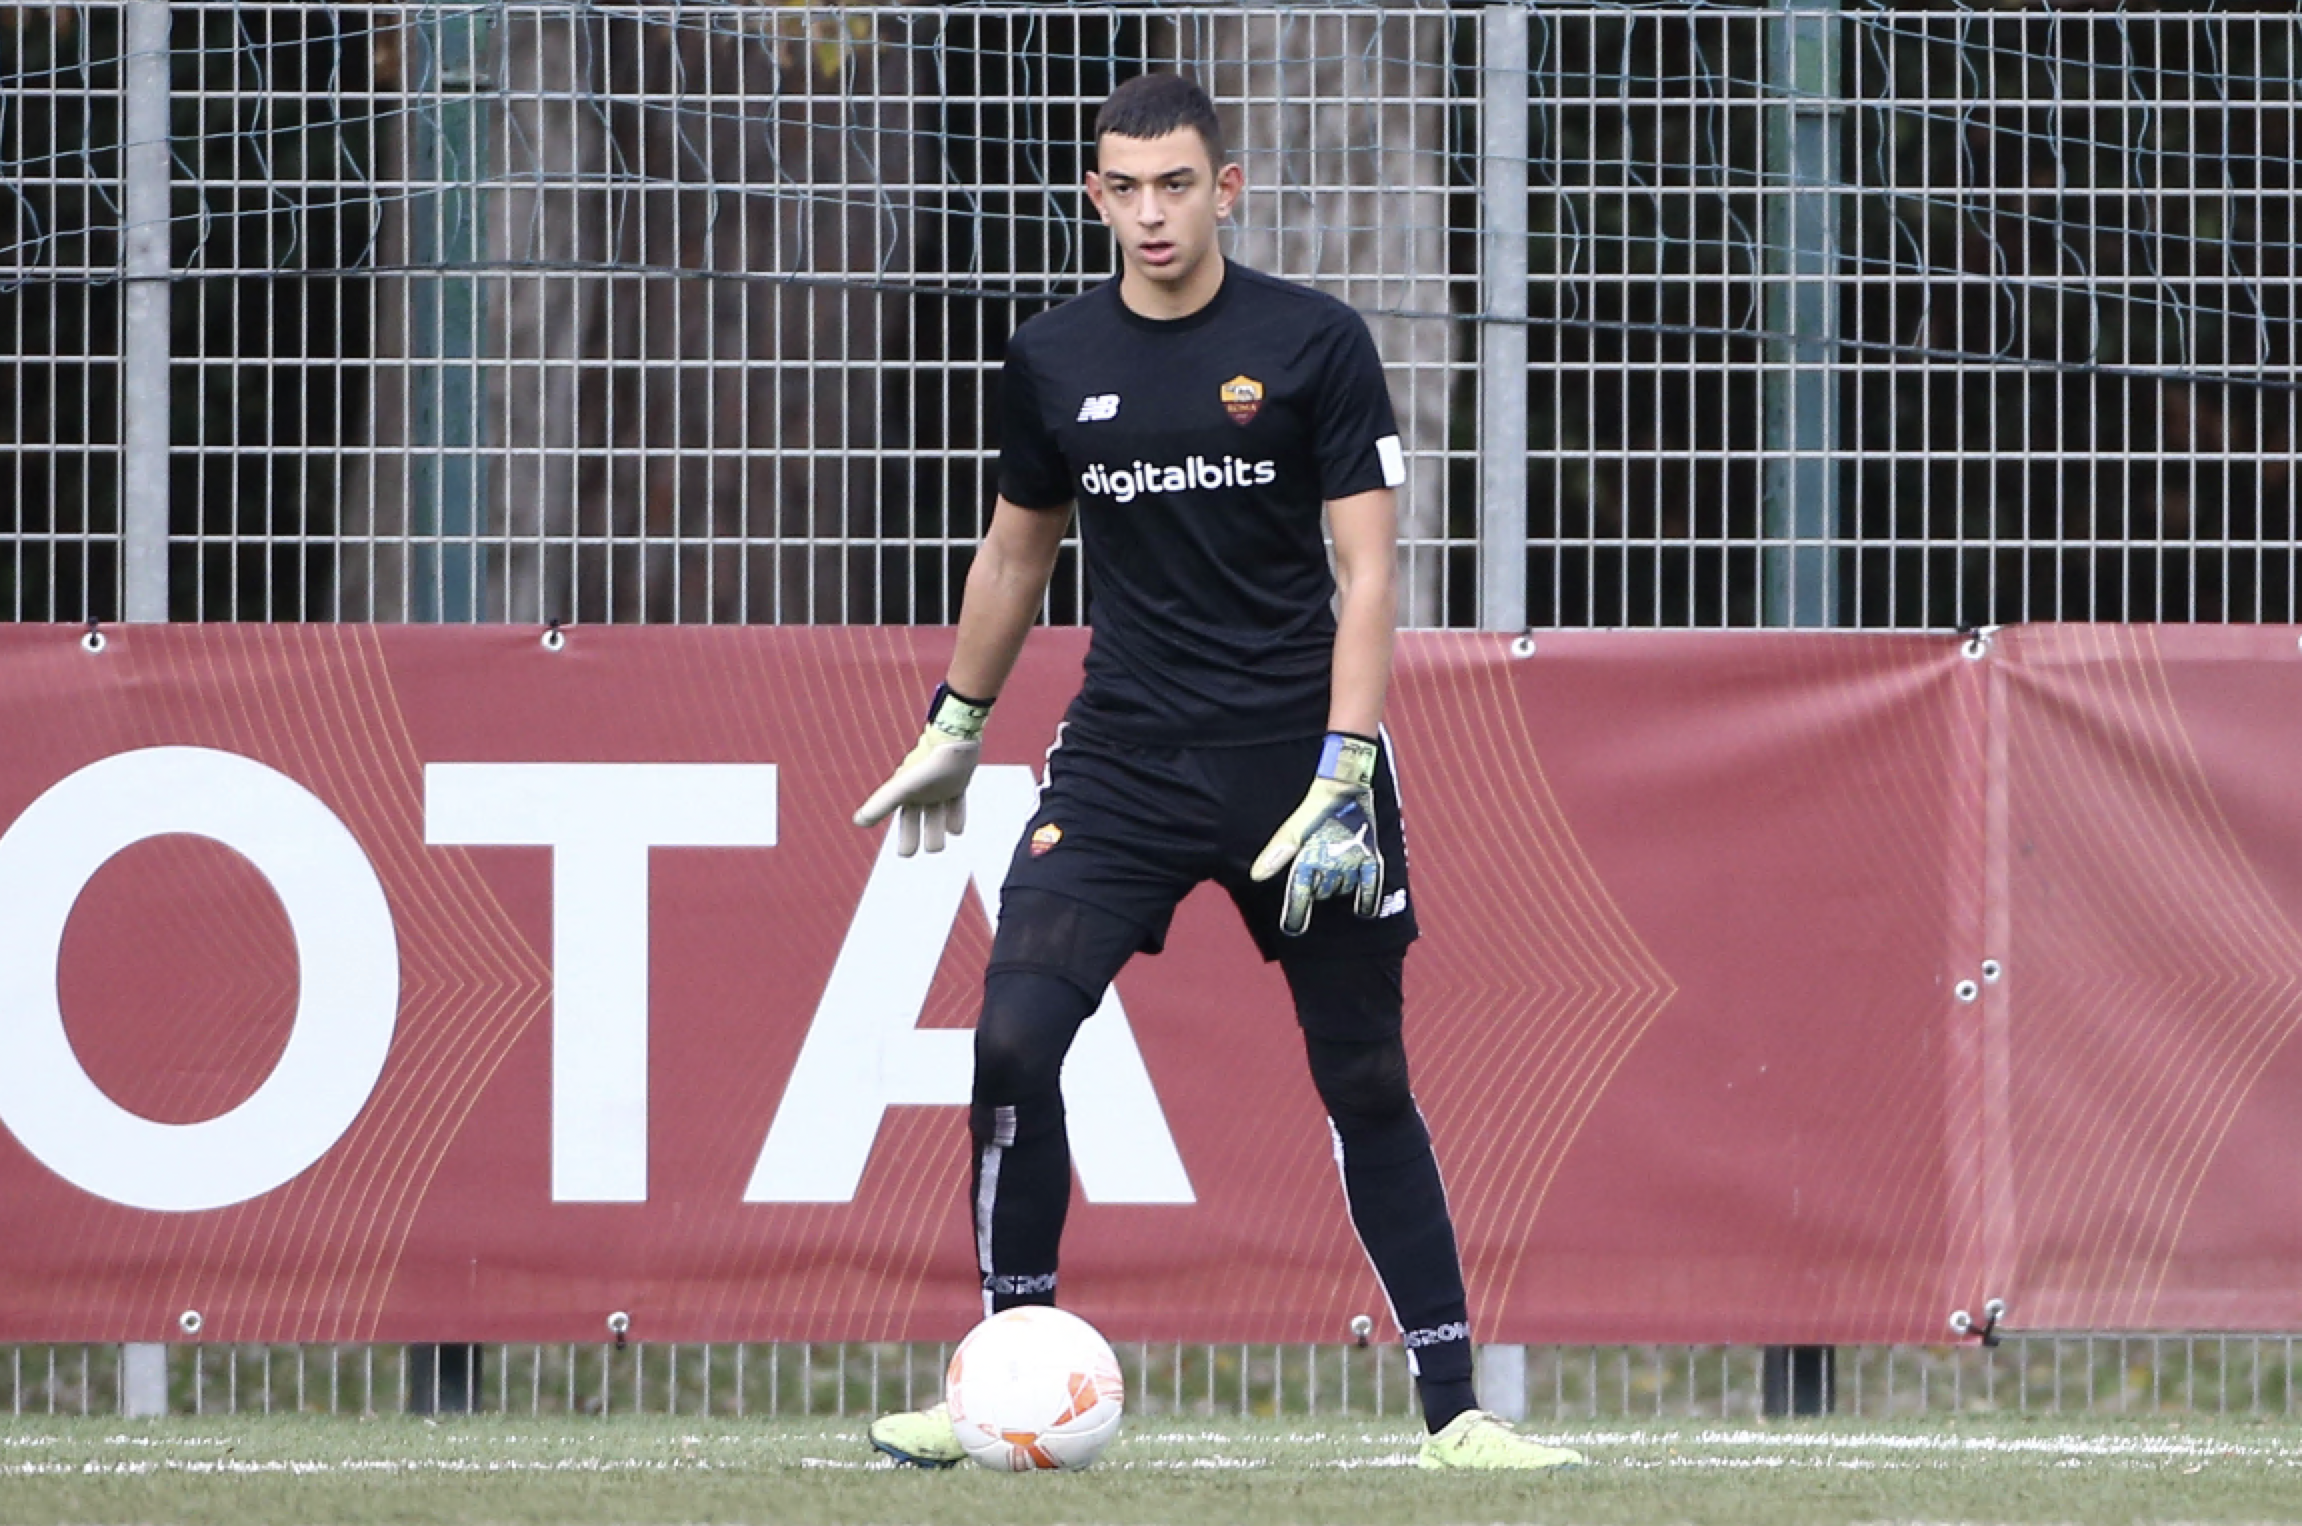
pixel 1201 451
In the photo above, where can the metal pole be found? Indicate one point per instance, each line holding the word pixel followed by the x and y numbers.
pixel 447 473
pixel 1801 514
pixel 1801 510
pixel 1503 419
pixel 1798 1380
pixel 1503 336
pixel 1503 1381
pixel 143 1379
pixel 145 263
pixel 144 319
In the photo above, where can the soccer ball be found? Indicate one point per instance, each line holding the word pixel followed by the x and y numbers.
pixel 1034 1388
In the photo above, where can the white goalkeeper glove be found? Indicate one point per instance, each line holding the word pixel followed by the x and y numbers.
pixel 927 793
pixel 1328 846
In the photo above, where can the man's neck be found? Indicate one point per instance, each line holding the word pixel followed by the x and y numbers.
pixel 1164 303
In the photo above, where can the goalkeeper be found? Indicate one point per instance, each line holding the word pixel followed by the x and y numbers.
pixel 1201 418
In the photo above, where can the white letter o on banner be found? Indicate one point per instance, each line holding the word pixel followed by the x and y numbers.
pixel 346 951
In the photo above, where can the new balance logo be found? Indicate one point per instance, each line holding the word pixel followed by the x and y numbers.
pixel 1101 406
pixel 1393 904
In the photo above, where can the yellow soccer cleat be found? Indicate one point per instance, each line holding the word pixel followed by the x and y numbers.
pixel 919 1438
pixel 1476 1439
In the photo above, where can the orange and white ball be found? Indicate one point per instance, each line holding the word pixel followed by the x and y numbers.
pixel 1034 1389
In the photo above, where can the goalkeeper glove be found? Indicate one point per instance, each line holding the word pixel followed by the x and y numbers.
pixel 1328 846
pixel 927 793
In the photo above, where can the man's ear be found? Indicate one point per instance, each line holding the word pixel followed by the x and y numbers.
pixel 1095 195
pixel 1230 180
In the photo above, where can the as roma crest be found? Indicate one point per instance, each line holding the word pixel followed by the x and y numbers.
pixel 1242 399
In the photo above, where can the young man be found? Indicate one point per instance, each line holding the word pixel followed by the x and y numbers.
pixel 1200 416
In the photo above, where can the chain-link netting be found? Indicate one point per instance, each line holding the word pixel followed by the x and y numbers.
pixel 1912 315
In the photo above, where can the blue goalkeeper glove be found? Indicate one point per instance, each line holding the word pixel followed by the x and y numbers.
pixel 927 793
pixel 1328 846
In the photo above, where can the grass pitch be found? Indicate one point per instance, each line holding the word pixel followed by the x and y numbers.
pixel 253 1471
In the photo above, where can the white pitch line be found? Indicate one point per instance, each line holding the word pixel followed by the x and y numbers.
pixel 97 1468
pixel 167 1441
pixel 1720 1450
pixel 2053 1446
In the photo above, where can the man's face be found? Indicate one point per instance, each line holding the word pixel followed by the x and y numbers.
pixel 1163 198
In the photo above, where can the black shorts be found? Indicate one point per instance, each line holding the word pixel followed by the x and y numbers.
pixel 1129 829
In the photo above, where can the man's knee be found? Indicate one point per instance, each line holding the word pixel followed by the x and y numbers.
pixel 1351 1012
pixel 1026 1029
pixel 1364 1086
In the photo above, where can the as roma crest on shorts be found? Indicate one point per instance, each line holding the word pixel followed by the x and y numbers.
pixel 1046 837
pixel 1242 399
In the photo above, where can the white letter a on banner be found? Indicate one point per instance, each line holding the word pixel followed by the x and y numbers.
pixel 865 1052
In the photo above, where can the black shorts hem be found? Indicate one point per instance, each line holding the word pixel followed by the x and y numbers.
pixel 1070 937
pixel 1377 938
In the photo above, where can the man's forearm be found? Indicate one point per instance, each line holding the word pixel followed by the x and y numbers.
pixel 1365 528
pixel 1005 587
pixel 1365 625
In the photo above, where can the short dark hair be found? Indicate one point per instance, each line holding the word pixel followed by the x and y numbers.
pixel 1154 105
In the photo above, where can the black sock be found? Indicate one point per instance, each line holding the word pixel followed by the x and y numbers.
pixel 1399 1207
pixel 1443 1400
pixel 1021 1196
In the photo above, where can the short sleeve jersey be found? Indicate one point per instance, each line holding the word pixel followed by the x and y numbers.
pixel 1201 452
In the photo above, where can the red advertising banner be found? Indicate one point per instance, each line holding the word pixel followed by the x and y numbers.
pixel 428 983
pixel 2150 1112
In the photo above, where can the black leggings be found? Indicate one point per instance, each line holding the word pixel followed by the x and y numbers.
pixel 1349 1010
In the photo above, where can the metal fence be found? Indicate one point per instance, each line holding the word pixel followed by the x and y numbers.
pixel 2047 1375
pixel 1911 315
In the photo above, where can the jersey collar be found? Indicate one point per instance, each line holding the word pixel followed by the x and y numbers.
pixel 1189 321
